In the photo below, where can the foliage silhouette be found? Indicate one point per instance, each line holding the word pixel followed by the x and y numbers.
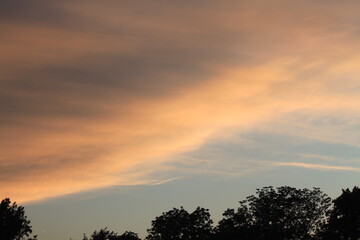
pixel 128 235
pixel 344 221
pixel 105 234
pixel 284 213
pixel 235 225
pixel 178 224
pixel 14 224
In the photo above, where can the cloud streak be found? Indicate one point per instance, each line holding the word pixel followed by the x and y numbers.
pixel 318 166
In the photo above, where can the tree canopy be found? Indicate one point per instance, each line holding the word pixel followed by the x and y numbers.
pixel 282 213
pixel 178 224
pixel 344 221
pixel 105 234
pixel 14 224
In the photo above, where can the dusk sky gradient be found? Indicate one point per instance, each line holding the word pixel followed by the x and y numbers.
pixel 112 112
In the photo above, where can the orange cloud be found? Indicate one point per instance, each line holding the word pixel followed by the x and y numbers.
pixel 110 97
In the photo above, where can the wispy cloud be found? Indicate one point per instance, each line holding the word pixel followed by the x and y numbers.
pixel 318 166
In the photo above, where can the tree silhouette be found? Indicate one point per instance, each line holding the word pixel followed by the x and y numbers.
pixel 128 235
pixel 178 224
pixel 284 213
pixel 344 221
pixel 105 234
pixel 14 225
pixel 235 225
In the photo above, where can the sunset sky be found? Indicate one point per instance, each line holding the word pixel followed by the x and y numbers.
pixel 112 112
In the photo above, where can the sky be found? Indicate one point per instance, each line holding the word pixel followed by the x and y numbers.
pixel 112 112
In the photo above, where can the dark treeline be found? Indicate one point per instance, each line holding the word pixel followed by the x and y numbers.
pixel 284 213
